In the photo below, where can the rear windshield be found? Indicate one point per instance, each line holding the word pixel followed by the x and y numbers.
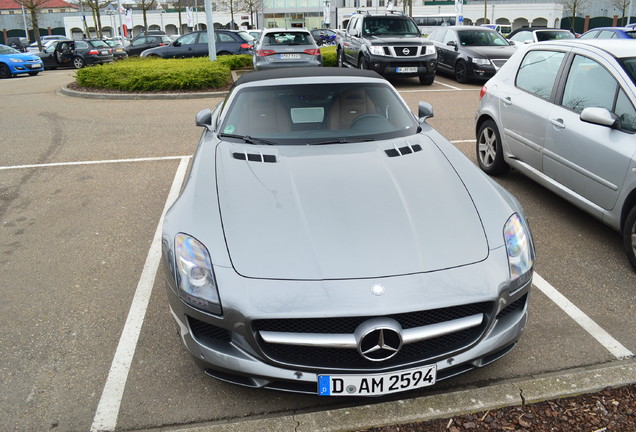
pixel 287 38
pixel 318 113
pixel 544 35
pixel 98 44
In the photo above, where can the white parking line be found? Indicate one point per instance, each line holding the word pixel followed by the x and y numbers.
pixel 58 164
pixel 108 408
pixel 603 337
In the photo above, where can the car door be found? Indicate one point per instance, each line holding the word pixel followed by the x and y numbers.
pixel 449 50
pixel 353 42
pixel 437 37
pixel 525 106
pixel 137 46
pixel 225 43
pixel 591 159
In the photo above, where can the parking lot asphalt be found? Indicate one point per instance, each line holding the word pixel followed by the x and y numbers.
pixel 83 184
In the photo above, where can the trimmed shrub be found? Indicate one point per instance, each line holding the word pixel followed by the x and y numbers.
pixel 153 74
pixel 329 56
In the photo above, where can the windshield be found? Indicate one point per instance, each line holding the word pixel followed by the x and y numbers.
pixel 317 114
pixel 98 43
pixel 544 35
pixel 389 25
pixel 629 64
pixel 481 38
pixel 8 50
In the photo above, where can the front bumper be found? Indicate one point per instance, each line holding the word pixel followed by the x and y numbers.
pixel 230 348
pixel 394 66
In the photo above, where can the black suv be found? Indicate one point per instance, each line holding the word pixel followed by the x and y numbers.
pixel 389 44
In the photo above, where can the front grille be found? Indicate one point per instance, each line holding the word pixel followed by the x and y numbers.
pixel 406 51
pixel 349 358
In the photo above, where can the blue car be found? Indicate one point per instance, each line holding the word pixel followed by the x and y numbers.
pixel 14 62
pixel 610 33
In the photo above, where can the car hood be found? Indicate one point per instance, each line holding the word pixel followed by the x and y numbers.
pixel 23 56
pixel 345 211
pixel 396 39
pixel 490 52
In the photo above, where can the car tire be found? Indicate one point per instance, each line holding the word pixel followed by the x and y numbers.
pixel 340 58
pixel 427 79
pixel 629 236
pixel 34 73
pixel 362 63
pixel 489 149
pixel 5 72
pixel 78 62
pixel 461 72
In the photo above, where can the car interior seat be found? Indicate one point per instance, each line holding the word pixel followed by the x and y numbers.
pixel 347 106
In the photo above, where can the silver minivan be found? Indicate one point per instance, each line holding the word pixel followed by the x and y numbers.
pixel 563 113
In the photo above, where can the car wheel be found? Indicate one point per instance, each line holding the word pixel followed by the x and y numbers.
pixel 629 236
pixel 78 62
pixel 33 73
pixel 362 63
pixel 489 151
pixel 427 79
pixel 340 58
pixel 5 72
pixel 461 72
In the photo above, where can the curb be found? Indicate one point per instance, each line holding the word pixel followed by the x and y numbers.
pixel 149 96
pixel 446 405
pixel 140 96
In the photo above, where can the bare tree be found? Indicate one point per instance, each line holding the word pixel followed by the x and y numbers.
pixel 251 7
pixel 95 6
pixel 621 5
pixel 147 5
pixel 574 6
pixel 33 6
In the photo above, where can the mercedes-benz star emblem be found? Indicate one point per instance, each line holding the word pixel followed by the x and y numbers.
pixel 379 339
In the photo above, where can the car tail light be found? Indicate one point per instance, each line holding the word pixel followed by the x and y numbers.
pixel 162 44
pixel 246 46
pixel 312 51
pixel 263 53
pixel 93 52
pixel 483 92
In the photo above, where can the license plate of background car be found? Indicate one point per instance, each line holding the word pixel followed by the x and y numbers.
pixel 289 56
pixel 104 52
pixel 405 69
pixel 375 385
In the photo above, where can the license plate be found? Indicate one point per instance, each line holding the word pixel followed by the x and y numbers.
pixel 406 69
pixel 104 52
pixel 36 65
pixel 374 385
pixel 289 56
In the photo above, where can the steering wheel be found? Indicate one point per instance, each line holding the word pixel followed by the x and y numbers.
pixel 367 117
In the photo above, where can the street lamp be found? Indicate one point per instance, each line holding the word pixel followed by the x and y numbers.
pixel 327 13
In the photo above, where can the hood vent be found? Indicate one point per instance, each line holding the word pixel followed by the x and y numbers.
pixel 401 151
pixel 252 157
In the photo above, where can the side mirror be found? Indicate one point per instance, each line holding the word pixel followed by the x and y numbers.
pixel 599 116
pixel 453 44
pixel 204 118
pixel 176 43
pixel 424 111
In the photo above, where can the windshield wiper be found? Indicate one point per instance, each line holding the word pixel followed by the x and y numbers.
pixel 342 141
pixel 248 139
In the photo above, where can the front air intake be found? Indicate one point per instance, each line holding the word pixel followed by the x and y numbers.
pixel 252 157
pixel 401 151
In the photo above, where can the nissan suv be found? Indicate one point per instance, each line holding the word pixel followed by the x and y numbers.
pixel 390 44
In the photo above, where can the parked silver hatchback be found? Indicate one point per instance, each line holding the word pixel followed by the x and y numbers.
pixel 278 48
pixel 563 114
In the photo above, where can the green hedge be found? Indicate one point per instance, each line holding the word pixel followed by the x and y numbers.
pixel 153 74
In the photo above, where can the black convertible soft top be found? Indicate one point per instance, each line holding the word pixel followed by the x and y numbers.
pixel 299 72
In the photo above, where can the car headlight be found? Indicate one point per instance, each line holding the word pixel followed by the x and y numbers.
pixel 16 60
pixel 429 49
pixel 481 61
pixel 195 277
pixel 518 246
pixel 376 50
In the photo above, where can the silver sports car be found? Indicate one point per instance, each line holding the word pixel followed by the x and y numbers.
pixel 329 241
